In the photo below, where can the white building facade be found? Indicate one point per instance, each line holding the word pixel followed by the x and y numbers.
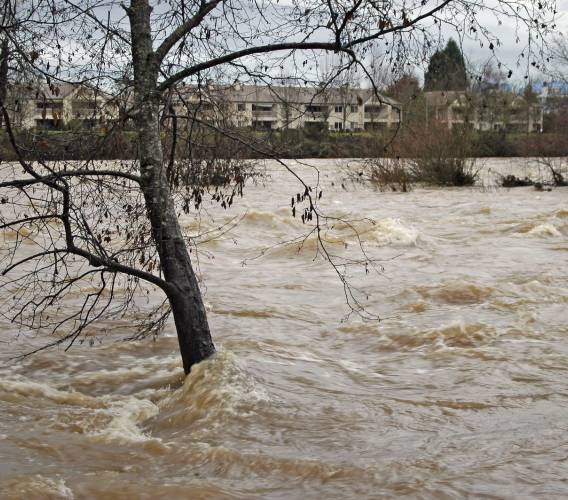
pixel 259 107
pixel 57 106
pixel 484 111
pixel 282 108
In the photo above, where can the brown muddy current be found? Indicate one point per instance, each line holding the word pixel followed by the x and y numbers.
pixel 461 391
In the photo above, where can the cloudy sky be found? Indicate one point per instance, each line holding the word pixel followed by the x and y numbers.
pixel 513 52
pixel 509 53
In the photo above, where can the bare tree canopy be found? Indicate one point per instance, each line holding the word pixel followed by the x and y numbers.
pixel 119 223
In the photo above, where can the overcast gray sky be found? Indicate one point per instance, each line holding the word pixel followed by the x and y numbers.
pixel 509 52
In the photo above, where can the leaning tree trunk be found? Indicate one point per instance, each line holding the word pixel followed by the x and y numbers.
pixel 183 292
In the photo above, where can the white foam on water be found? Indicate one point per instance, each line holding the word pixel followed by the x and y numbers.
pixel 389 231
pixel 126 415
pixel 38 486
pixel 358 369
pixel 544 230
pixel 395 232
pixel 539 228
pixel 60 488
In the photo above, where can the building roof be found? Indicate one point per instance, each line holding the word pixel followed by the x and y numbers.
pixel 58 90
pixel 288 94
pixel 443 97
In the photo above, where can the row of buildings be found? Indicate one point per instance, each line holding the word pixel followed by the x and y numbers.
pixel 264 108
pixel 275 108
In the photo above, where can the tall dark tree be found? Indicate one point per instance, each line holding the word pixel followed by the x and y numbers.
pixel 446 69
pixel 530 96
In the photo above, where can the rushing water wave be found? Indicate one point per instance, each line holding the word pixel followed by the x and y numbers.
pixel 460 391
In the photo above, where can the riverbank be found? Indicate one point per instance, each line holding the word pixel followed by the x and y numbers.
pixel 121 145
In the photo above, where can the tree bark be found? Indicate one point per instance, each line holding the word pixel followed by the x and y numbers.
pixel 4 55
pixel 183 292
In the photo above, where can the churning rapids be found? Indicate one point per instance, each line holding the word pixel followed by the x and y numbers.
pixel 460 391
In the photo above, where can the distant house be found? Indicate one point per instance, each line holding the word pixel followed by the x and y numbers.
pixel 555 89
pixel 489 110
pixel 283 107
pixel 56 106
pixel 554 98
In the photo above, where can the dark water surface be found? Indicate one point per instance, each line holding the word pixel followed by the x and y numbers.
pixel 460 391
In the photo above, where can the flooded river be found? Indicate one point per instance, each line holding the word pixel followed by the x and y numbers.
pixel 460 391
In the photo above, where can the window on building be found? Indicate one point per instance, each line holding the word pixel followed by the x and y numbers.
pixel 374 108
pixel 338 126
pixel 84 108
pixel 339 109
pixel 85 104
pixel 314 108
pixel 353 125
pixel 261 107
pixel 354 108
pixel 241 106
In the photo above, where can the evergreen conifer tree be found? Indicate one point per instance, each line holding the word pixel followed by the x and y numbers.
pixel 446 69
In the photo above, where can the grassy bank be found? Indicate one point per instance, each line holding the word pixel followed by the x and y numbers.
pixel 98 145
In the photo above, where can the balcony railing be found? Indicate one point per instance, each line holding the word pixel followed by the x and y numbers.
pixel 85 106
pixel 378 115
pixel 49 105
pixel 264 112
pixel 316 114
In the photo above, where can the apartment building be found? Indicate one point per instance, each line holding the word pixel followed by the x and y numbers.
pixel 489 110
pixel 287 107
pixel 257 107
pixel 57 106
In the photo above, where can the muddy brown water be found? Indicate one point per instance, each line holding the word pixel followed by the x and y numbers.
pixel 461 391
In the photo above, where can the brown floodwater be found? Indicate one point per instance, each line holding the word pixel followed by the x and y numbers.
pixel 461 390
